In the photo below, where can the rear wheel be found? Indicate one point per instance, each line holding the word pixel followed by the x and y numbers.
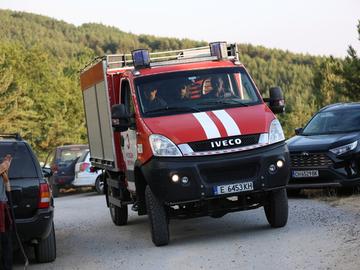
pixel 119 215
pixel 99 185
pixel 45 251
pixel 277 209
pixel 158 219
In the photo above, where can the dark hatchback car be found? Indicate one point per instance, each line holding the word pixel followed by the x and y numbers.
pixel 326 152
pixel 63 160
pixel 31 196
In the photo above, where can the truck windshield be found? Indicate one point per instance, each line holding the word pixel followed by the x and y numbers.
pixel 339 121
pixel 194 91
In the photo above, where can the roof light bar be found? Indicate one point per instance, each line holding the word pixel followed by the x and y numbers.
pixel 219 49
pixel 141 58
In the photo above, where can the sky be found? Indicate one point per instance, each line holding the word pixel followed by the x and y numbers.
pixel 318 27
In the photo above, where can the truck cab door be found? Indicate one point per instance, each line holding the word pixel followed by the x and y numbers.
pixel 128 138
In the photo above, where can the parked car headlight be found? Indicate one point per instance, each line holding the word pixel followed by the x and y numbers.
pixel 276 133
pixel 345 148
pixel 163 147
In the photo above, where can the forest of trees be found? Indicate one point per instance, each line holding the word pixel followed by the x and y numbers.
pixel 40 59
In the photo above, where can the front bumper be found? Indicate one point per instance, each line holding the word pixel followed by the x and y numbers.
pixel 37 227
pixel 205 173
pixel 337 172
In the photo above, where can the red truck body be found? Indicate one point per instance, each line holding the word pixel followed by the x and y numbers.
pixel 182 140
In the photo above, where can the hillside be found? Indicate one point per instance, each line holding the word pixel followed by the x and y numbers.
pixel 39 85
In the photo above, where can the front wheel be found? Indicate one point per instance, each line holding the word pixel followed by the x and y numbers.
pixel 158 219
pixel 277 209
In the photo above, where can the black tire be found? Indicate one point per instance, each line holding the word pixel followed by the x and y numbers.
pixel 99 185
pixel 119 215
pixel 277 209
pixel 55 191
pixel 45 251
pixel 158 219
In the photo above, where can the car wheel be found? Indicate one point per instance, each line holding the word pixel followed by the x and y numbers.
pixel 45 251
pixel 158 219
pixel 99 185
pixel 55 191
pixel 119 215
pixel 277 208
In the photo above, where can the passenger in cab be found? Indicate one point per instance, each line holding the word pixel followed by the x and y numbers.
pixel 184 93
pixel 153 101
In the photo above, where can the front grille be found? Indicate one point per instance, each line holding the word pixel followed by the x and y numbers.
pixel 223 174
pixel 223 143
pixel 310 160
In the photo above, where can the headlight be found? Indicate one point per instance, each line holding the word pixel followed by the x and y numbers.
pixel 345 148
pixel 163 147
pixel 276 133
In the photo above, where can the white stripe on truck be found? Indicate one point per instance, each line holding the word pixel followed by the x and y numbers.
pixel 208 125
pixel 230 125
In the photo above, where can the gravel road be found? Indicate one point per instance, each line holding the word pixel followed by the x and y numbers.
pixel 317 236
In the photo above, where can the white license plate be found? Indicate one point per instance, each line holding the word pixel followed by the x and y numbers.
pixel 305 174
pixel 233 188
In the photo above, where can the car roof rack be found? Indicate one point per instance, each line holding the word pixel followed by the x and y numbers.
pixel 15 136
pixel 198 54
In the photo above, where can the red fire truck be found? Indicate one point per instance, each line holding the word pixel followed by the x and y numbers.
pixel 183 134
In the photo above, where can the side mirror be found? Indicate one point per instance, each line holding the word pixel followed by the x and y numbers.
pixel 120 118
pixel 276 100
pixel 298 131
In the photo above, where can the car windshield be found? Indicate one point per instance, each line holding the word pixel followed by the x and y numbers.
pixel 195 91
pixel 22 164
pixel 339 121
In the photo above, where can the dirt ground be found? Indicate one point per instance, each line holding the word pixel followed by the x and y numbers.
pixel 348 199
pixel 351 203
pixel 323 232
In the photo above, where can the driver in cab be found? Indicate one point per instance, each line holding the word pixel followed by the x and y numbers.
pixel 218 89
pixel 215 87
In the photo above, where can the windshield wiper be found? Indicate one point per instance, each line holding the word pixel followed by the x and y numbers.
pixel 174 109
pixel 223 102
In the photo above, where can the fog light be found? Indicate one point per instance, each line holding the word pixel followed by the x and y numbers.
pixel 175 178
pixel 272 168
pixel 280 163
pixel 184 180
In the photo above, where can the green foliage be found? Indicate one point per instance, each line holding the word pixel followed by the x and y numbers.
pixel 351 72
pixel 40 57
pixel 37 100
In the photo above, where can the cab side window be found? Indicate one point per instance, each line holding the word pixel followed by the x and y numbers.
pixel 127 100
pixel 126 97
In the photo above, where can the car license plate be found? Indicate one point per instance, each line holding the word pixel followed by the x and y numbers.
pixel 305 174
pixel 233 188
